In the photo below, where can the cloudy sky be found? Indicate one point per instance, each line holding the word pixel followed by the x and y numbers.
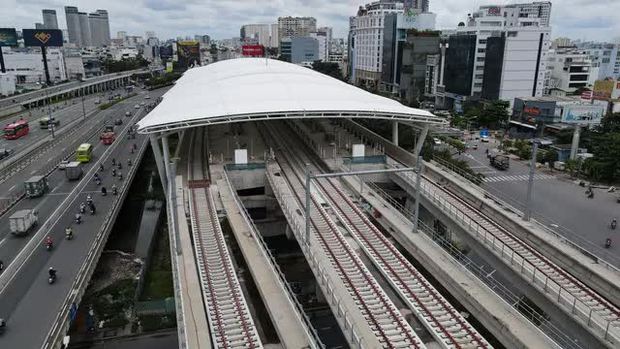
pixel 578 19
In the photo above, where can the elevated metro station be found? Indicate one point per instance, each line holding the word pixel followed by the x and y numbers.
pixel 292 225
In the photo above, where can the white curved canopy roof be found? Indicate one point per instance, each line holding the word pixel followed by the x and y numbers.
pixel 247 89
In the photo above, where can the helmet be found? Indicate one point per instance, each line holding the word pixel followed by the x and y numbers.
pixel 51 268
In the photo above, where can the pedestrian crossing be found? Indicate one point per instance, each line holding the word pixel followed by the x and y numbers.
pixel 517 178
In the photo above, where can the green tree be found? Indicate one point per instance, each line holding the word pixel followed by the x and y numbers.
pixel 494 114
pixel 328 68
pixel 571 166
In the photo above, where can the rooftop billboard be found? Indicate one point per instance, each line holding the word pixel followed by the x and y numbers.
pixel 188 53
pixel 42 37
pixel 8 37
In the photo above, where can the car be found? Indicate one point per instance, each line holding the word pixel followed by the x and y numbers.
pixel 142 104
pixel 5 153
pixel 118 122
pixel 97 101
pixel 127 113
pixel 63 164
pixel 484 139
pixel 147 97
pixel 136 106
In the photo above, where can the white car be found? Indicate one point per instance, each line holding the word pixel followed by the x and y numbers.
pixel 484 139
pixel 136 106
pixel 127 113
pixel 147 97
pixel 63 164
pixel 142 104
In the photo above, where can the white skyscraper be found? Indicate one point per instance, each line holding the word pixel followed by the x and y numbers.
pixel 99 28
pixel 49 19
pixel 73 25
pixel 85 30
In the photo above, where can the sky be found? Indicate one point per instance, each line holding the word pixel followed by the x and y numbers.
pixel 221 19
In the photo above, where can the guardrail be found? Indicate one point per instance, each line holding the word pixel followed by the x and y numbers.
pixel 276 268
pixel 483 275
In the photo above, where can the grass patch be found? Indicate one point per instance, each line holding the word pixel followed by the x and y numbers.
pixel 105 106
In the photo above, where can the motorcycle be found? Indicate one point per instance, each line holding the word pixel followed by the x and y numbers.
pixel 51 279
pixel 608 243
pixel 69 234
pixel 613 224
pixel 129 162
pixel 98 181
pixel 78 218
pixel 114 191
pixel 49 246
pixel 104 191
pixel 120 176
pixel 113 172
pixel 101 167
pixel 92 210
pixel 120 167
pixel 82 208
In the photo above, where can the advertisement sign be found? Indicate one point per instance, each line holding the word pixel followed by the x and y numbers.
pixel 603 89
pixel 494 11
pixel 188 53
pixel 42 37
pixel 583 114
pixel 253 50
pixel 532 111
pixel 8 37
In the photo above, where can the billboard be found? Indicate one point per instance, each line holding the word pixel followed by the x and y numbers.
pixel 188 53
pixel 253 50
pixel 583 114
pixel 8 37
pixel 42 37
pixel 603 89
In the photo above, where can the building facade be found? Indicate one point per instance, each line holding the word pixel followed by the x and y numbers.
pixel 321 38
pixel 366 41
pixel 73 25
pixel 556 109
pixel 85 34
pixel 569 70
pixel 99 28
pixel 27 67
pixel 295 26
pixel 414 72
pixel 50 21
pixel 299 50
pixel 260 33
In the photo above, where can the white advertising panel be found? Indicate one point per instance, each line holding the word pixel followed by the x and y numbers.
pixel 241 156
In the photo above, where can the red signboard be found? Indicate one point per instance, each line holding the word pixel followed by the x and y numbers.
pixel 253 50
pixel 533 111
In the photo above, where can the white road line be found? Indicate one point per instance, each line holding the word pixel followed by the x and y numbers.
pixel 33 172
pixel 13 187
pixel 3 241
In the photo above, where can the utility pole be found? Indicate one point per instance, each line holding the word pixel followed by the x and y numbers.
pixel 527 212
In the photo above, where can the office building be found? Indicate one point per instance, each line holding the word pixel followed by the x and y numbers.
pixel 499 53
pixel 299 50
pixel 569 70
pixel 27 66
pixel 516 13
pixel 328 31
pixel 604 56
pixel 274 38
pixel 366 41
pixel 49 19
pixel 85 33
pixel 73 25
pixel 258 33
pixel 415 68
pixel 321 38
pixel 295 26
pixel 99 28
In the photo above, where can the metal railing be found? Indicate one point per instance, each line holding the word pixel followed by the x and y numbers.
pixel 483 275
pixel 530 271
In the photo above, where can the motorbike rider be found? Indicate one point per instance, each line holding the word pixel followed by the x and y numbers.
pixel 82 207
pixel 52 272
pixel 129 162
pixel 113 161
pixel 101 167
pixel 114 189
pixel 120 166
pixel 78 218
pixel 69 232
pixel 89 199
pixel 120 175
pixel 48 241
pixel 614 223
pixel 104 191
pixel 608 243
pixel 113 172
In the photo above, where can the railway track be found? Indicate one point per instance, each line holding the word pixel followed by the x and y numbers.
pixel 230 321
pixel 439 317
pixel 559 285
pixel 386 322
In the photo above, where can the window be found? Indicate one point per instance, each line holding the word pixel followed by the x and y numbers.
pixel 482 41
pixel 479 76
pixel 512 34
pixel 480 59
pixel 481 50
pixel 478 84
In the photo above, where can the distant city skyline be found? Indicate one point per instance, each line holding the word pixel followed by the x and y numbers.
pixel 222 19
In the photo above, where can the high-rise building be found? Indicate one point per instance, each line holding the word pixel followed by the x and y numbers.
pixel 295 26
pixel 328 32
pixel 121 35
pixel 570 69
pixel 49 19
pixel 299 49
pixel 99 28
pixel 85 33
pixel 256 32
pixel 499 53
pixel 366 41
pixel 321 38
pixel 274 37
pixel 73 25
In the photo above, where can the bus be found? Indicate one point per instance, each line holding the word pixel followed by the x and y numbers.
pixel 84 152
pixel 16 130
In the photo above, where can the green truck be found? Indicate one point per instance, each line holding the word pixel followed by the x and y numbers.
pixel 499 161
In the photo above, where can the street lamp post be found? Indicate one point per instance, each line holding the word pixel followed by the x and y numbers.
pixel 83 108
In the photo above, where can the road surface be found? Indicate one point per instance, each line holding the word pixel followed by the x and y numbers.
pixel 557 202
pixel 28 302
